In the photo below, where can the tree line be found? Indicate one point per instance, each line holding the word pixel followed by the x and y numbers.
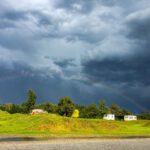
pixel 66 107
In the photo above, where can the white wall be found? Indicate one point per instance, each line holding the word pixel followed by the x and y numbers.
pixel 130 117
pixel 109 117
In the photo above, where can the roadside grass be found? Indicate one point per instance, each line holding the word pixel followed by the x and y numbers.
pixel 55 125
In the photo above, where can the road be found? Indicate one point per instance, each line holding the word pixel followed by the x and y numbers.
pixel 79 144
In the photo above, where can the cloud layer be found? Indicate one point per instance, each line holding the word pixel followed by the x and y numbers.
pixel 52 46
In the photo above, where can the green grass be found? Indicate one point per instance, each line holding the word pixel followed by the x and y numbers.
pixel 53 125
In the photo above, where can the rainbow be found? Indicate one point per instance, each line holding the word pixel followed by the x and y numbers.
pixel 129 99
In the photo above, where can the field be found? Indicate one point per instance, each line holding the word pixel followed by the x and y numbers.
pixel 55 125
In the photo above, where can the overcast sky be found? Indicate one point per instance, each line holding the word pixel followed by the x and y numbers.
pixel 86 49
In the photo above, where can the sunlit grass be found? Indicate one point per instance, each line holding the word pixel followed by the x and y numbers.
pixel 53 124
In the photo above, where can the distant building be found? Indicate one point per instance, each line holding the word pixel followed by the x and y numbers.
pixel 109 117
pixel 38 111
pixel 130 117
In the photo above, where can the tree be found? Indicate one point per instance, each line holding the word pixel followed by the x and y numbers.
pixel 145 115
pixel 65 100
pixel 65 106
pixel 103 107
pixel 49 107
pixel 82 110
pixel 92 111
pixel 12 108
pixel 115 109
pixel 29 104
pixel 125 112
pixel 2 107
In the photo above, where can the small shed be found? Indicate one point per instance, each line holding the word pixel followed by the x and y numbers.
pixel 109 117
pixel 38 111
pixel 130 117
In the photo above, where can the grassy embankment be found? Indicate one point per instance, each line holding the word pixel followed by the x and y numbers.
pixel 52 124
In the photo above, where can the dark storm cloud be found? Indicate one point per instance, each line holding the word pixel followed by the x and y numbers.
pixel 47 57
pixel 138 31
pixel 26 26
pixel 16 41
pixel 129 71
pixel 12 35
pixel 17 29
pixel 114 33
pixel 25 70
pixel 54 28
pixel 6 24
pixel 51 88
pixel 15 69
pixel 93 38
pixel 13 15
pixel 87 5
pixel 64 63
pixel 9 18
pixel 20 78
pixel 43 19
pixel 139 26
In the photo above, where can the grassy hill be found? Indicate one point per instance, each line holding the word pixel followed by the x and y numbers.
pixel 52 124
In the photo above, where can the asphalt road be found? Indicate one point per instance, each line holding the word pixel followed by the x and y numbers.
pixel 79 144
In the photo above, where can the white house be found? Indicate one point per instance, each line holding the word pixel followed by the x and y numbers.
pixel 130 117
pixel 109 117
